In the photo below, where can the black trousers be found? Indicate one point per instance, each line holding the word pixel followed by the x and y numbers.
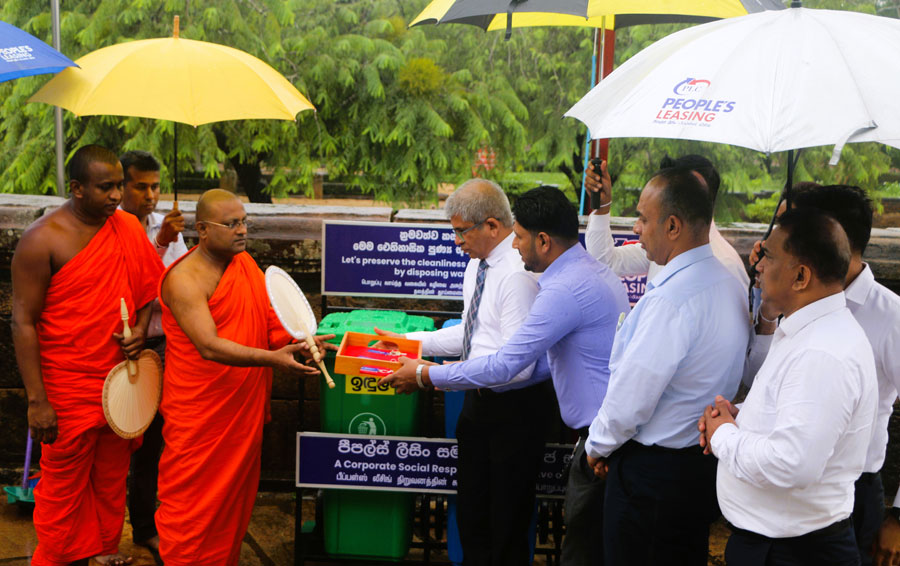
pixel 833 546
pixel 868 513
pixel 659 505
pixel 145 471
pixel 583 543
pixel 501 444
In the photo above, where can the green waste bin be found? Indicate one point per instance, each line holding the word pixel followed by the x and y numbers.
pixel 367 523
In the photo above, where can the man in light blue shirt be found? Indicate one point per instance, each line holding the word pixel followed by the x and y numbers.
pixel 572 325
pixel 685 339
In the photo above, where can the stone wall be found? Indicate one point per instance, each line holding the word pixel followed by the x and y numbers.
pixel 290 236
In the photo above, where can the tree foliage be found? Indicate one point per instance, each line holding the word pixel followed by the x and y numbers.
pixel 398 110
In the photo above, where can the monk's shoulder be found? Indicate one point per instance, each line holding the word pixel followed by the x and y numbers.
pixel 45 234
pixel 189 279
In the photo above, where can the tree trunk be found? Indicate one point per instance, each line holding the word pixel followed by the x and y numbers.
pixel 249 174
pixel 250 179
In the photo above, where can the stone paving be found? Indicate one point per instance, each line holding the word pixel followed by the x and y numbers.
pixel 269 540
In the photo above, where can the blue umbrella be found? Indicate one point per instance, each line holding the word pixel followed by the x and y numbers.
pixel 23 55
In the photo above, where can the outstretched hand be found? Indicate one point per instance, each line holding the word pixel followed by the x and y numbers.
pixel 386 344
pixel 283 359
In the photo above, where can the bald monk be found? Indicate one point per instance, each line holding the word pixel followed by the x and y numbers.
pixel 222 341
pixel 69 271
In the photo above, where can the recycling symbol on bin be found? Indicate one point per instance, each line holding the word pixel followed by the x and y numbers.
pixel 367 423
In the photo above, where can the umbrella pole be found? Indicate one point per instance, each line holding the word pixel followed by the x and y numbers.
pixel 587 143
pixel 175 163
pixel 785 196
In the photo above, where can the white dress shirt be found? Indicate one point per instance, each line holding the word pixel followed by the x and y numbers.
pixel 507 296
pixel 168 254
pixel 877 310
pixel 788 466
pixel 683 344
pixel 628 261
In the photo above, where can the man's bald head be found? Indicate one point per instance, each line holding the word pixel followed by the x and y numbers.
pixel 208 205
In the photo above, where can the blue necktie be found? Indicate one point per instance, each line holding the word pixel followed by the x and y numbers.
pixel 473 310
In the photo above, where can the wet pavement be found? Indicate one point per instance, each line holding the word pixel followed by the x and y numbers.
pixel 269 540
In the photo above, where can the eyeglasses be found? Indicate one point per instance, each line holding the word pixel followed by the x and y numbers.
pixel 461 234
pixel 233 225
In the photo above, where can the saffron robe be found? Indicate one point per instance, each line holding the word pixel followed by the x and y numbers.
pixel 214 416
pixel 80 500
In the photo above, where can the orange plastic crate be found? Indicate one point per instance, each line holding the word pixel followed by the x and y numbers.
pixel 348 364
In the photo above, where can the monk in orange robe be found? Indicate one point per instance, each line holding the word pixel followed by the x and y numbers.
pixel 69 271
pixel 222 341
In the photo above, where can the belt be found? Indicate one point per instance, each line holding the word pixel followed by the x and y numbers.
pixel 825 532
pixel 655 448
pixel 527 390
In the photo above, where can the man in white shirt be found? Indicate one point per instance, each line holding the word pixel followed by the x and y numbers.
pixel 630 261
pixel 139 197
pixel 500 430
pixel 789 458
pixel 877 310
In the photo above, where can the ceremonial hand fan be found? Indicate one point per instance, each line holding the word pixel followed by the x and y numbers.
pixel 294 312
pixel 132 390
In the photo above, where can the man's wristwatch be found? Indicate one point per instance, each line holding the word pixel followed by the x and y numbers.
pixel 419 369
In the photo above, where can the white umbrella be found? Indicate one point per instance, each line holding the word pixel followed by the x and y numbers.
pixel 771 81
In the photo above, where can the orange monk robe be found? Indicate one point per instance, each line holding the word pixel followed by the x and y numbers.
pixel 80 500
pixel 214 414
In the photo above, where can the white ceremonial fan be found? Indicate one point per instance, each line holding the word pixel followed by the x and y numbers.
pixel 293 311
pixel 132 390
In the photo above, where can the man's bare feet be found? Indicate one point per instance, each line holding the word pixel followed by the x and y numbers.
pixel 113 560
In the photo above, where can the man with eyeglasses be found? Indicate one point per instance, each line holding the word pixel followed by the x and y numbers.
pixel 139 197
pixel 501 429
pixel 570 328
pixel 222 341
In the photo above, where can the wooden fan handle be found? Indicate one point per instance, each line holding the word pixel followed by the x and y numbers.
pixel 314 350
pixel 126 332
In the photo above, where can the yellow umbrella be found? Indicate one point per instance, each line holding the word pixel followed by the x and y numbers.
pixel 194 82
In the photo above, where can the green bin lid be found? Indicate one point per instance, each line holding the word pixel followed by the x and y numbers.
pixel 338 323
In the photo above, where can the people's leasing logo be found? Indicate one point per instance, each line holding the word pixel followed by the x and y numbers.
pixel 689 108
pixel 16 53
pixel 690 86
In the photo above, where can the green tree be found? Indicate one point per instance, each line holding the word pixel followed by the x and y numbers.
pixel 390 118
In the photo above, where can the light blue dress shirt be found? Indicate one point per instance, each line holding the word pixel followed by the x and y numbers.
pixel 573 321
pixel 683 344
